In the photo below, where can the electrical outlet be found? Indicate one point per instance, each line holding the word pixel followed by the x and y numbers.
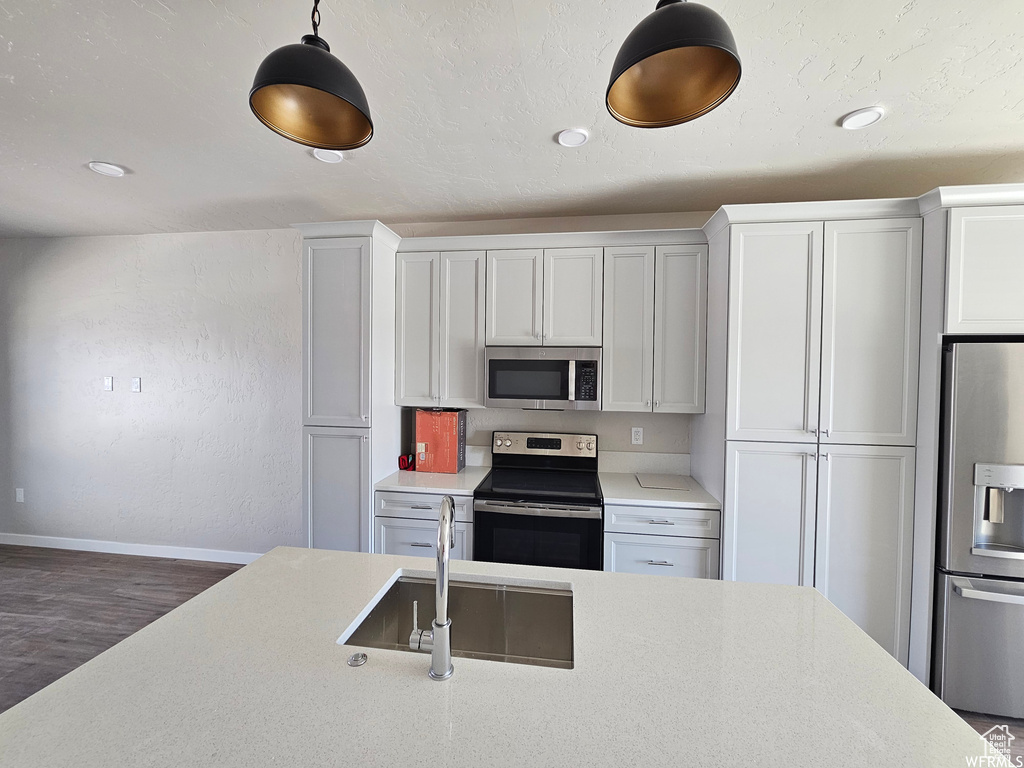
pixel 108 383
pixel 19 495
pixel 638 435
pixel 136 385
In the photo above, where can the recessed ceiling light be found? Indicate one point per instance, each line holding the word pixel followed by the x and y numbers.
pixel 106 169
pixel 573 137
pixel 328 155
pixel 862 118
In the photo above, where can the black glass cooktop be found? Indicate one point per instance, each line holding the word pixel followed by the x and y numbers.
pixel 538 485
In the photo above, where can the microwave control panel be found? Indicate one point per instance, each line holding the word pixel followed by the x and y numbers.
pixel 586 380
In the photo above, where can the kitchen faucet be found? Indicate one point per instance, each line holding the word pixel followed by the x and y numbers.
pixel 438 639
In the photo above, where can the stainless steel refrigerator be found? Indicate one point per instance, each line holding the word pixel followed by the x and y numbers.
pixel 979 617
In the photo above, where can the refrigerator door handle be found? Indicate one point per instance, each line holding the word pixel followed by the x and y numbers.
pixel 964 588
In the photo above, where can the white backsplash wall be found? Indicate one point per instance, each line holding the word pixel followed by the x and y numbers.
pixel 209 454
pixel 663 432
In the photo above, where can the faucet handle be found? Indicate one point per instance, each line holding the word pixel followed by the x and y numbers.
pixel 419 639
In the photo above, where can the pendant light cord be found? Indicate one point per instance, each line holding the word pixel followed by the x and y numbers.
pixel 315 17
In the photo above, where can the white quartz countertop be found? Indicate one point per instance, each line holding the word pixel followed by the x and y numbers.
pixel 460 484
pixel 668 672
pixel 624 488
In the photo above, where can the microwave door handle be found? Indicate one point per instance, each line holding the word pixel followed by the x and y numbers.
pixel 964 588
pixel 572 380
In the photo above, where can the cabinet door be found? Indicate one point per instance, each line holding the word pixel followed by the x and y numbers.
pixel 462 329
pixel 573 296
pixel 336 332
pixel 865 538
pixel 400 536
pixel 515 293
pixel 661 555
pixel 985 279
pixel 420 506
pixel 628 354
pixel 774 331
pixel 870 330
pixel 336 489
pixel 417 319
pixel 680 328
pixel 768 528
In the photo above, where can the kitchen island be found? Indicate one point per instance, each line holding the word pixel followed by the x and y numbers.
pixel 666 672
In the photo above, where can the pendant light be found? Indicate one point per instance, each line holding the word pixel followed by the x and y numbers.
pixel 676 65
pixel 307 95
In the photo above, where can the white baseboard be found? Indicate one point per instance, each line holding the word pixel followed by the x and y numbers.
pixel 123 548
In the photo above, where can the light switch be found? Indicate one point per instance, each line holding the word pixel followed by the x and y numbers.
pixel 108 383
pixel 19 495
pixel 136 385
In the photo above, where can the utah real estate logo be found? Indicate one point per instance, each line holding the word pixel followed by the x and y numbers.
pixel 998 752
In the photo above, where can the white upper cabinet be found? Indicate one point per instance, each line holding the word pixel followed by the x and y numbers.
pixel 774 331
pixel 865 538
pixel 336 332
pixel 769 507
pixel 681 279
pixel 628 355
pixel 573 280
pixel 416 345
pixel 985 275
pixel 515 296
pixel 462 329
pixel 440 326
pixel 551 297
pixel 871 312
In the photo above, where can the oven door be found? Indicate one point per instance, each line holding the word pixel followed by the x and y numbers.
pixel 550 378
pixel 557 536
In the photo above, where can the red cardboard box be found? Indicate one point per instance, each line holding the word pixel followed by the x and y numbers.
pixel 440 441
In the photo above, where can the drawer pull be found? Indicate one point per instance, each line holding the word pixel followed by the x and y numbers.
pixel 660 522
pixel 660 562
pixel 427 546
pixel 421 506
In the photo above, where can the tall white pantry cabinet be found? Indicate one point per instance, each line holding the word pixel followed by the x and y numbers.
pixel 813 353
pixel 350 423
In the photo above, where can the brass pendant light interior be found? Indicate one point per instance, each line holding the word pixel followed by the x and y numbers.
pixel 679 63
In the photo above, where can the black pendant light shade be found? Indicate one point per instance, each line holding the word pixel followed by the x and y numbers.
pixel 307 95
pixel 677 64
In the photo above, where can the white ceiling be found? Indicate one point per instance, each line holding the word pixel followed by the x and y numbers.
pixel 466 97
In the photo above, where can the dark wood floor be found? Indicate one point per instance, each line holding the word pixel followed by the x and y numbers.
pixel 59 608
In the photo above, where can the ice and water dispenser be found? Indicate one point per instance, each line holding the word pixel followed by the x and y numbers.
pixel 999 510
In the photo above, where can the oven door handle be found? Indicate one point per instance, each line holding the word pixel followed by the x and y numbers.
pixel 535 510
pixel 965 588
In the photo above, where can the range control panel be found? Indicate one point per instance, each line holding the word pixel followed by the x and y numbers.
pixel 545 444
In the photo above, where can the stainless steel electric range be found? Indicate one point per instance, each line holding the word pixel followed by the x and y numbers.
pixel 541 503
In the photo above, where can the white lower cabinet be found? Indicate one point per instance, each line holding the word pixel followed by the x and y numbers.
pixel 406 524
pixel 865 538
pixel 661 555
pixel 403 536
pixel 336 487
pixel 664 541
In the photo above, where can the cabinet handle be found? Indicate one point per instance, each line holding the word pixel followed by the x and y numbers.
pixel 648 404
pixel 365 417
pixel 420 506
pixel 661 562
pixel 660 522
pixel 427 546
pixel 828 432
pixel 657 403
pixel 813 430
pixel 828 457
pixel 366 438
pixel 812 456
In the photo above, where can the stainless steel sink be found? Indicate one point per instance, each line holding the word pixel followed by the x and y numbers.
pixel 498 622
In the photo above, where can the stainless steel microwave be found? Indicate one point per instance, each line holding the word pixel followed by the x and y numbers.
pixel 548 378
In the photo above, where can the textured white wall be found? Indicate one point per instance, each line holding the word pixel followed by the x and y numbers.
pixel 209 454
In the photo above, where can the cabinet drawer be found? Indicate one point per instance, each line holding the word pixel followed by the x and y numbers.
pixel 663 521
pixel 661 555
pixel 420 506
pixel 398 536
